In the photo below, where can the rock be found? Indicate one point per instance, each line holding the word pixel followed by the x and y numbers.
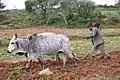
pixel 45 72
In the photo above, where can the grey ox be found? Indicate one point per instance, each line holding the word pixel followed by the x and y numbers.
pixel 37 45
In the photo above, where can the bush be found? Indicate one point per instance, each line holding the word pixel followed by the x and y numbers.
pixel 3 18
pixel 14 18
pixel 112 20
pixel 81 13
pixel 36 18
pixel 72 13
pixel 4 41
pixel 85 8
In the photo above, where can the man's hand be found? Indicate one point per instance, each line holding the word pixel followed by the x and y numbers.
pixel 85 37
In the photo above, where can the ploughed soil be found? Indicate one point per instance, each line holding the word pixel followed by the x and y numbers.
pixel 72 33
pixel 32 30
pixel 86 69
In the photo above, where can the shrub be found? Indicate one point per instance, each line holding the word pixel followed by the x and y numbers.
pixel 3 18
pixel 112 20
pixel 81 13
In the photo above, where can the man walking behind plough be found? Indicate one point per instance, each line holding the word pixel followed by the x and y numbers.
pixel 97 40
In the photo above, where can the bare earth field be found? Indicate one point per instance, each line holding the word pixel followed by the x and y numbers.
pixel 87 69
pixel 24 32
pixel 70 32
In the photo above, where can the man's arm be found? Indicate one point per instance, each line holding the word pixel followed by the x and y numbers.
pixel 94 32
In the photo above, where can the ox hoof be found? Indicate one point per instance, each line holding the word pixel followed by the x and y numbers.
pixel 107 57
pixel 93 56
pixel 26 67
pixel 75 65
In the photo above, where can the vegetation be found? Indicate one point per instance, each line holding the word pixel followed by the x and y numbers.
pixel 78 46
pixel 72 13
pixel 65 13
pixel 2 6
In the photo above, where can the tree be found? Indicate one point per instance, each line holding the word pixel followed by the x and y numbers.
pixel 61 12
pixel 117 2
pixel 31 5
pixel 85 8
pixel 2 6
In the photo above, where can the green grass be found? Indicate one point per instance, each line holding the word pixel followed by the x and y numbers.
pixel 84 46
pixel 14 73
pixel 77 46
pixel 110 12
pixel 114 77
pixel 102 78
pixel 82 32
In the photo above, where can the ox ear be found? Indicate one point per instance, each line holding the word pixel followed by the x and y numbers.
pixel 32 36
pixel 29 37
pixel 35 34
pixel 14 36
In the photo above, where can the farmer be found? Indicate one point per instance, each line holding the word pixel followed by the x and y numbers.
pixel 97 40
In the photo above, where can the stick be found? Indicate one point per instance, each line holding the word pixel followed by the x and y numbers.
pixel 90 52
pixel 86 55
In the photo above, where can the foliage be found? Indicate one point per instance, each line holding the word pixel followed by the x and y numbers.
pixel 31 5
pixel 2 6
pixel 2 17
pixel 4 41
pixel 118 2
pixel 110 11
pixel 111 20
pixel 28 5
pixel 13 18
pixel 70 13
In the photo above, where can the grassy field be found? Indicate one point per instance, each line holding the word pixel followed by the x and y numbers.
pixel 77 45
pixel 111 12
pixel 70 32
pixel 84 46
pixel 80 32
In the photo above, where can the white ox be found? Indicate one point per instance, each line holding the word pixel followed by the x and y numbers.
pixel 38 45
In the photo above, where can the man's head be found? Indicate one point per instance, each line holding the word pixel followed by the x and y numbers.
pixel 94 24
pixel 90 25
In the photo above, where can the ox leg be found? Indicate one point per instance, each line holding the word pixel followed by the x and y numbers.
pixel 74 61
pixel 64 58
pixel 26 55
pixel 57 58
pixel 72 57
pixel 41 63
pixel 28 66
